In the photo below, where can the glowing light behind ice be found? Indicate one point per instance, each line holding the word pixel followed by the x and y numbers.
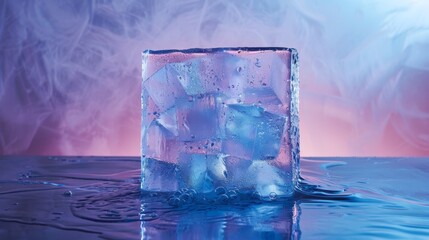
pixel 70 70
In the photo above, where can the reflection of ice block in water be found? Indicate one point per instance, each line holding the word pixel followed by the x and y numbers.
pixel 220 117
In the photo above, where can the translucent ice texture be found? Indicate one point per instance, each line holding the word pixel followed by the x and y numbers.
pixel 252 133
pixel 220 118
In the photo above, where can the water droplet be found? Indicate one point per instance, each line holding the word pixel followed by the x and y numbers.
pixel 220 190
pixel 177 194
pixel 185 198
pixel 273 195
pixel 68 193
pixel 174 201
pixel 258 63
pixel 256 195
pixel 233 195
pixel 222 199
pixel 192 193
pixel 239 69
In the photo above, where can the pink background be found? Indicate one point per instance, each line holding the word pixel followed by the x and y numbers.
pixel 70 71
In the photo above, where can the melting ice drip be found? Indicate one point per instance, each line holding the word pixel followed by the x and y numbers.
pixel 220 121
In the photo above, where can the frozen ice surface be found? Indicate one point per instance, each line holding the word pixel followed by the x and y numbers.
pixel 164 87
pixel 202 75
pixel 159 143
pixel 252 133
pixel 168 120
pixel 270 179
pixel 202 172
pixel 222 118
pixel 158 175
pixel 197 117
pixel 258 175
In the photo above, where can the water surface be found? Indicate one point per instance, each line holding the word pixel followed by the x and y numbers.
pixel 99 197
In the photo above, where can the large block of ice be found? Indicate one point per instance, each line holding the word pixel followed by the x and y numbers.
pixel 220 118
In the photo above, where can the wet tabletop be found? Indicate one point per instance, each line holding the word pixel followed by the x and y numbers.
pixel 99 197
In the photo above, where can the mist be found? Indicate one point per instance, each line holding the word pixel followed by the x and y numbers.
pixel 70 71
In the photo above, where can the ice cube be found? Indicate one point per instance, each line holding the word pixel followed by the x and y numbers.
pixel 202 172
pixel 189 76
pixel 266 98
pixel 265 177
pixel 226 117
pixel 252 133
pixel 268 178
pixel 159 143
pixel 158 175
pixel 237 174
pixel 168 120
pixel 207 74
pixel 278 81
pixel 197 118
pixel 204 146
pixel 164 88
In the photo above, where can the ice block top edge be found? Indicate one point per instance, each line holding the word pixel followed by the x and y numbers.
pixel 214 50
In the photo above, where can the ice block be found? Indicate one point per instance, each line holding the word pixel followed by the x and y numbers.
pixel 220 118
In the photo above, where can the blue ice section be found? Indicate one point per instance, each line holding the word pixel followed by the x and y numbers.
pixel 245 140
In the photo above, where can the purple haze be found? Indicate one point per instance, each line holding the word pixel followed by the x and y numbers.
pixel 70 70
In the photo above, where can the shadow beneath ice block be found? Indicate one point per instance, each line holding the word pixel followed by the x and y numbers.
pixel 267 220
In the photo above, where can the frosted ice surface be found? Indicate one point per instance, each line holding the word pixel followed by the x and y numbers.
pixel 237 173
pixel 164 88
pixel 159 143
pixel 222 119
pixel 277 80
pixel 189 77
pixel 202 172
pixel 268 178
pixel 264 97
pixel 159 175
pixel 207 74
pixel 168 119
pixel 258 175
pixel 197 118
pixel 252 133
